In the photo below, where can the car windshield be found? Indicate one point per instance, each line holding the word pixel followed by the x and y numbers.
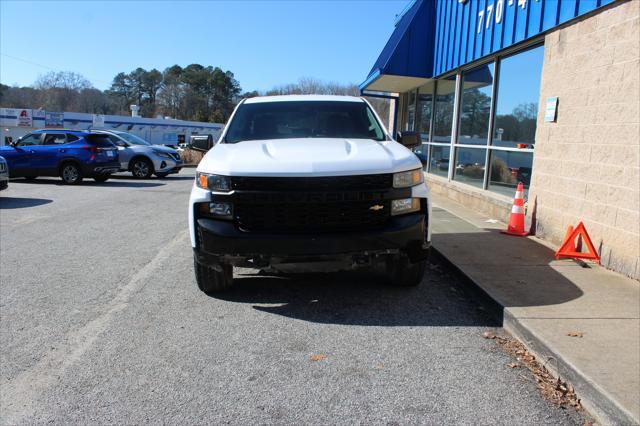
pixel 133 139
pixel 303 119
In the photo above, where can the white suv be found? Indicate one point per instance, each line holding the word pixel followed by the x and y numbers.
pixel 308 184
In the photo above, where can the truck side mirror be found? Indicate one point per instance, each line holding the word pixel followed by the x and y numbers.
pixel 201 143
pixel 409 139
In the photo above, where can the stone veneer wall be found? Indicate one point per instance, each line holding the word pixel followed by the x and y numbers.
pixel 586 165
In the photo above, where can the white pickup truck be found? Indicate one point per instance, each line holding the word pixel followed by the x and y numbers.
pixel 308 184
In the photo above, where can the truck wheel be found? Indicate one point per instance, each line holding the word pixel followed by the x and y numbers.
pixel 210 280
pixel 402 273
pixel 71 174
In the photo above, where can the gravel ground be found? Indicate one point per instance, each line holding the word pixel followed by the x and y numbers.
pixel 101 322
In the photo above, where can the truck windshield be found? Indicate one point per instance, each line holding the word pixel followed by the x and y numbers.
pixel 303 119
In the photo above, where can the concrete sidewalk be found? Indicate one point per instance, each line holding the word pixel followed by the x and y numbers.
pixel 540 300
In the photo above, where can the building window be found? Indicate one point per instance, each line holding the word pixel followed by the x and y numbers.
pixel 411 110
pixel 425 105
pixel 514 128
pixel 473 128
pixel 496 127
pixel 475 105
pixel 470 165
pixel 517 99
pixel 443 114
pixel 439 160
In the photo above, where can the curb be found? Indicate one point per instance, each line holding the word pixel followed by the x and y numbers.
pixel 597 401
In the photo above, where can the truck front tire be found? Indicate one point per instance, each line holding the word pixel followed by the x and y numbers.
pixel 213 278
pixel 402 273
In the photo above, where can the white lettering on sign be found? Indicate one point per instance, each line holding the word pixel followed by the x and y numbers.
pixel 485 15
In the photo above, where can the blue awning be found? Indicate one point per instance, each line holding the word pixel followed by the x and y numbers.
pixel 398 65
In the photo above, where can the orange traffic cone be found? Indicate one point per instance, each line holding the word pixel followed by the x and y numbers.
pixel 516 220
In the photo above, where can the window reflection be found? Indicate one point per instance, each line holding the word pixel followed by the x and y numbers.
pixel 508 168
pixel 443 118
pixel 425 103
pixel 475 106
pixel 470 165
pixel 439 160
pixel 411 110
pixel 422 152
pixel 517 99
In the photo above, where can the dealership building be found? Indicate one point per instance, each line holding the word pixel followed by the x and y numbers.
pixel 543 92
pixel 17 122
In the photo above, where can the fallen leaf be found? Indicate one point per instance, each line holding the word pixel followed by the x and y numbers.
pixel 513 365
pixel 488 335
pixel 575 334
pixel 317 357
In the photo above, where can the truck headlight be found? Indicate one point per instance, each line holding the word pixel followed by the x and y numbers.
pixel 216 209
pixel 213 182
pixel 405 205
pixel 408 179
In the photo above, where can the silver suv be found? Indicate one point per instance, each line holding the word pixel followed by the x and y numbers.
pixel 141 158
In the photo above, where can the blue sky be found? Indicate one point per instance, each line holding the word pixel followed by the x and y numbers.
pixel 264 43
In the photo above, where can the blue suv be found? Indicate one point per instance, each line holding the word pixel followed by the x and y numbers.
pixel 70 154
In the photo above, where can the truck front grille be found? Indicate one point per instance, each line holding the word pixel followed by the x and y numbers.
pixel 311 217
pixel 311 204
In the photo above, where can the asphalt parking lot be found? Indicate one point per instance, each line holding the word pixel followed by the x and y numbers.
pixel 101 322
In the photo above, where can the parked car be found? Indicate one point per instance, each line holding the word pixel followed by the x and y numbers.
pixel 141 158
pixel 70 154
pixel 308 184
pixel 4 174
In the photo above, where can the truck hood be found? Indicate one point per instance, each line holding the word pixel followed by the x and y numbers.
pixel 308 157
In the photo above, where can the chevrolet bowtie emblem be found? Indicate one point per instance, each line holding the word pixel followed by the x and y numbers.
pixel 376 207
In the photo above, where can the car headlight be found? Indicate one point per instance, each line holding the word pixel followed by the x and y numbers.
pixel 213 182
pixel 162 154
pixel 405 205
pixel 408 179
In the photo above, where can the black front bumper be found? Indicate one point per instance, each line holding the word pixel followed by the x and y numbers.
pixel 218 238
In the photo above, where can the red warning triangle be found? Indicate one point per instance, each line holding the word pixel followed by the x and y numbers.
pixel 568 248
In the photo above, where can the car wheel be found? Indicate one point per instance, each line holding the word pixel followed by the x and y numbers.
pixel 101 179
pixel 71 174
pixel 402 273
pixel 162 175
pixel 142 168
pixel 213 278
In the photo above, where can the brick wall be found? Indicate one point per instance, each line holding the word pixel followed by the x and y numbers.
pixel 586 165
